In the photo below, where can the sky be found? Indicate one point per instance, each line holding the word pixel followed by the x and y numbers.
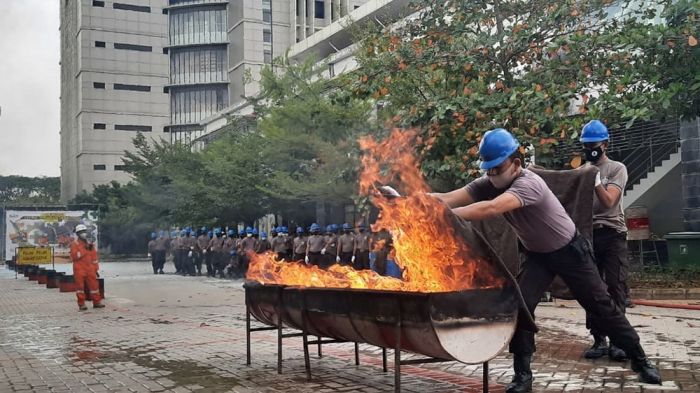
pixel 29 88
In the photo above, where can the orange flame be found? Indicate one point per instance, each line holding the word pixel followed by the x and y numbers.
pixel 432 255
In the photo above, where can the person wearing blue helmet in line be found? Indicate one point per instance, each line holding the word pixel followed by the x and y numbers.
pixel 202 250
pixel 609 228
pixel 190 243
pixel 278 244
pixel 299 245
pixel 550 246
pixel 362 241
pixel 346 246
pixel 314 246
pixel 228 247
pixel 216 245
pixel 248 245
pixel 263 244
pixel 288 243
pixel 330 250
pixel 161 249
pixel 152 252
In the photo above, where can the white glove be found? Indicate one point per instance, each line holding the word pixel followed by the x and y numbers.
pixel 337 259
pixel 598 182
pixel 204 251
pixel 79 254
pixel 323 252
pixel 389 191
pixel 306 259
pixel 189 254
pixel 149 254
pixel 352 259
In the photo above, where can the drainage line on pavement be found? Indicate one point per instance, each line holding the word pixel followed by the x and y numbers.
pixel 666 305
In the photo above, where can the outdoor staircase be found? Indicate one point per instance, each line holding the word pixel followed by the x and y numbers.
pixel 648 179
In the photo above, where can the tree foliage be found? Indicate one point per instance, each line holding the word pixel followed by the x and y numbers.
pixel 540 68
pixel 29 190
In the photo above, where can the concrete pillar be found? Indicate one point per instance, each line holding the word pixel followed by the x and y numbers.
pixel 690 173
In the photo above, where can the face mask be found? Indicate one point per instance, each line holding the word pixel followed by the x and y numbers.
pixel 593 154
pixel 249 235
pixel 503 179
pixel 83 235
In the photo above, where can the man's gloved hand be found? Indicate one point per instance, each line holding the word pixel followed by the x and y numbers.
pixel 323 252
pixel 189 254
pixel 204 251
pixel 306 259
pixel 232 253
pixel 149 254
pixel 337 259
pixel 352 259
pixel 598 182
pixel 388 192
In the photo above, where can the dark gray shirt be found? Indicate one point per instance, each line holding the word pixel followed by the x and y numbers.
pixel 612 174
pixel 541 224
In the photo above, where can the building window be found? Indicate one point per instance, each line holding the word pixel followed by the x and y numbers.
pixel 131 127
pixel 120 167
pixel 165 89
pixel 267 36
pixel 165 51
pixel 267 56
pixel 99 44
pixel 191 104
pixel 98 85
pixel 99 167
pixel 96 3
pixel 319 12
pixel 198 26
pixel 267 11
pixel 198 65
pixel 140 48
pixel 99 126
pixel 131 7
pixel 121 86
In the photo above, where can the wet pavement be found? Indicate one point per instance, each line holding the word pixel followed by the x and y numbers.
pixel 168 333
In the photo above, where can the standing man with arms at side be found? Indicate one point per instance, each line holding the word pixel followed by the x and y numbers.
pixel 83 253
pixel 161 250
pixel 609 229
pixel 361 248
pixel 550 246
pixel 152 252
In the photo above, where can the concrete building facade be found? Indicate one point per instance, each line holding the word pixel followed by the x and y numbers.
pixel 114 74
pixel 198 51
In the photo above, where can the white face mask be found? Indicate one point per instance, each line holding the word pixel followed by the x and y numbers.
pixel 83 235
pixel 249 235
pixel 505 178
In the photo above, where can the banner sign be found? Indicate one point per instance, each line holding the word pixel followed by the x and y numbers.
pixel 46 229
pixel 33 255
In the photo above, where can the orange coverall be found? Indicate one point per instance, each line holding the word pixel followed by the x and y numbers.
pixel 85 267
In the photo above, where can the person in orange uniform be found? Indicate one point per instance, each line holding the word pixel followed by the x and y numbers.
pixel 85 265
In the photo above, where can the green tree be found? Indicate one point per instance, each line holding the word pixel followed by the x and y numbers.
pixel 29 190
pixel 540 68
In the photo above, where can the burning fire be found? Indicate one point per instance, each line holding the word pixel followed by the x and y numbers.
pixel 431 254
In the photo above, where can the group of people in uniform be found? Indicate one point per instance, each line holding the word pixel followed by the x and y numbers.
pixel 224 253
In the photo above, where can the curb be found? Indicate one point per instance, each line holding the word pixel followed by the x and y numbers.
pixel 666 293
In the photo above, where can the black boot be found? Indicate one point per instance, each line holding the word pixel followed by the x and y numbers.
pixel 599 348
pixel 616 354
pixel 642 366
pixel 522 380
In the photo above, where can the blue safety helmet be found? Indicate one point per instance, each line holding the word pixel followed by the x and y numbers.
pixel 231 233
pixel 315 228
pixel 300 230
pixel 263 235
pixel 173 234
pixel 334 227
pixel 248 230
pixel 161 233
pixel 210 234
pixel 232 253
pixel 495 147
pixel 153 235
pixel 284 229
pixel 183 232
pixel 347 227
pixel 241 232
pixel 255 231
pixel 594 131
pixel 204 229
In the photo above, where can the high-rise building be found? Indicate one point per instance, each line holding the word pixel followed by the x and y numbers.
pixel 114 74
pixel 198 49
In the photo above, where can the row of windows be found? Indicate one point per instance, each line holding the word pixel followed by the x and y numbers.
pixel 122 46
pixel 123 127
pixel 103 167
pixel 190 105
pixel 123 86
pixel 123 6
pixel 198 65
pixel 198 26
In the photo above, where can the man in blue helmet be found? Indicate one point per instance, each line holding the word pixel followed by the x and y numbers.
pixel 550 246
pixel 229 251
pixel 248 245
pixel 314 246
pixel 161 249
pixel 152 252
pixel 362 240
pixel 609 228
pixel 299 245
pixel 263 244
pixel 330 249
pixel 202 251
pixel 279 244
pixel 346 245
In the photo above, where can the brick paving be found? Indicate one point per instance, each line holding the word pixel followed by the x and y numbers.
pixel 179 334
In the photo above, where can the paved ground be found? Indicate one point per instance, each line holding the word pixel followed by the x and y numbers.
pixel 181 334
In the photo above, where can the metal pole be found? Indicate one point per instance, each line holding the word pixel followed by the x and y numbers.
pixel 279 339
pixel 53 259
pixel 397 358
pixel 357 354
pixel 384 367
pixel 320 353
pixel 486 377
pixel 247 330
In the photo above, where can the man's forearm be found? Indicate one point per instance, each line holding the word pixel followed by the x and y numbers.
pixel 477 211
